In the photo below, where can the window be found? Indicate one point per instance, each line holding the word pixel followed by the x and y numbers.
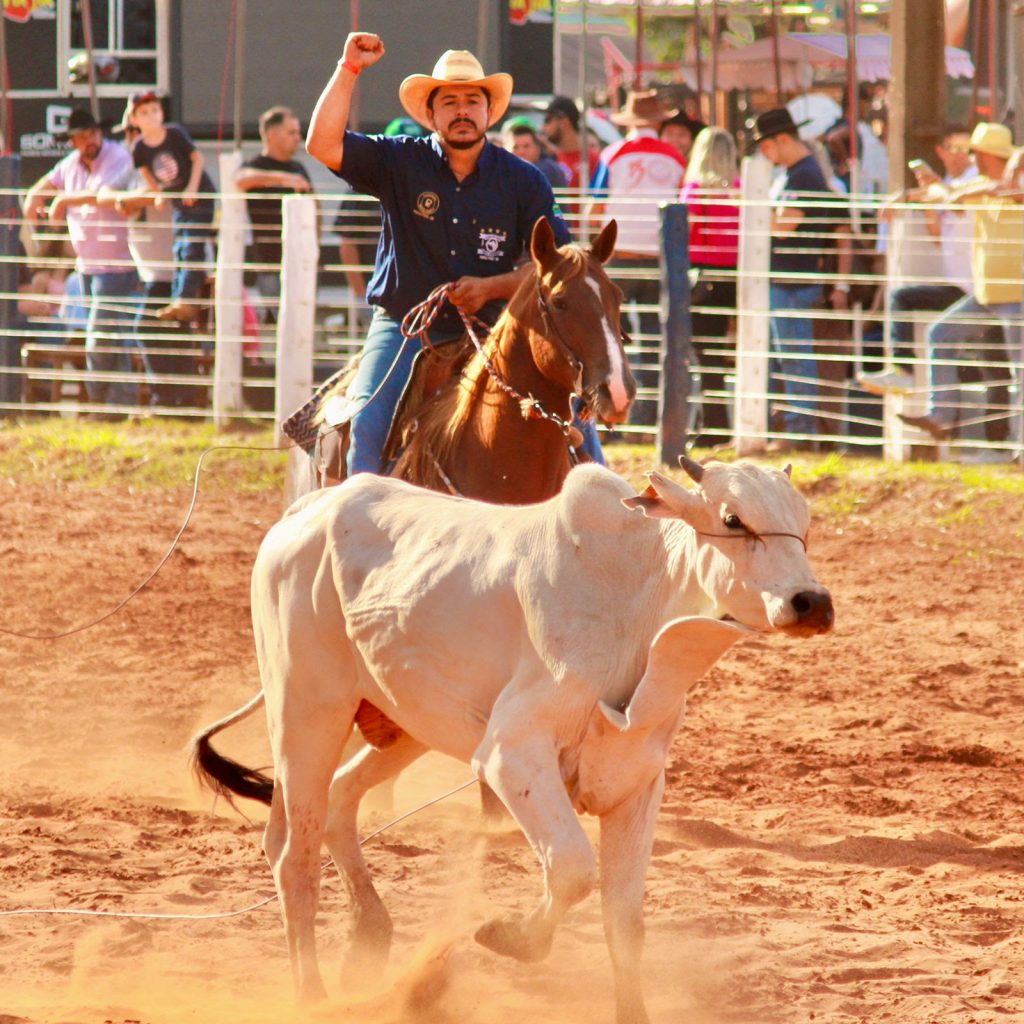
pixel 128 42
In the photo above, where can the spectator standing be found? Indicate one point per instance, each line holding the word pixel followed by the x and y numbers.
pixel 266 179
pixel 100 239
pixel 170 163
pixel 454 206
pixel 805 215
pixel 165 347
pixel 642 172
pixel 521 138
pixel 710 190
pixel 952 232
pixel 562 130
pixel 997 293
pixel 680 131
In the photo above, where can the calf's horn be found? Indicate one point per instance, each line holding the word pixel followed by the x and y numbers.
pixel 694 470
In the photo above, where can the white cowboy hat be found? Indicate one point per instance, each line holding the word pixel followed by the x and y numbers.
pixel 456 67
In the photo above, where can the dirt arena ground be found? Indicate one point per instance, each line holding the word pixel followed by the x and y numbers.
pixel 842 838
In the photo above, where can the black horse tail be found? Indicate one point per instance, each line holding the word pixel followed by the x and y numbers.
pixel 223 776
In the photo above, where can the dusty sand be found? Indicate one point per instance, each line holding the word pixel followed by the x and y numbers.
pixel 842 837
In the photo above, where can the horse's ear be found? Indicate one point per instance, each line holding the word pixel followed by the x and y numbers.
pixel 542 244
pixel 604 245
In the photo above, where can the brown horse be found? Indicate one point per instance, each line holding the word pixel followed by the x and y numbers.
pixel 499 429
pixel 492 422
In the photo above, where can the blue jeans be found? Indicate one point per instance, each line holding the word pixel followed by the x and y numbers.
pixel 793 345
pixel 192 229
pixel 949 338
pixel 915 298
pixel 371 425
pixel 109 339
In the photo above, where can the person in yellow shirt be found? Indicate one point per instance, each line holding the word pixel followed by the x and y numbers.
pixel 997 266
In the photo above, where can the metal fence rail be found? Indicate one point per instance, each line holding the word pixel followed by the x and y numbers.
pixel 268 332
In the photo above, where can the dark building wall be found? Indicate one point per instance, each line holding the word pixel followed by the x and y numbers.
pixel 291 51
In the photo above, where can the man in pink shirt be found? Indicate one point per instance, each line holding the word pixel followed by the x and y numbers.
pixel 100 239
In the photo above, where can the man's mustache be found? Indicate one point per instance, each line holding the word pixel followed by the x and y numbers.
pixel 462 120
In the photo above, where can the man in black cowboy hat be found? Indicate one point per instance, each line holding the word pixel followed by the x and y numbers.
pixel 99 235
pixel 806 213
pixel 679 131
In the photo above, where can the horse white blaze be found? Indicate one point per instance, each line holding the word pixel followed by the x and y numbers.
pixel 616 362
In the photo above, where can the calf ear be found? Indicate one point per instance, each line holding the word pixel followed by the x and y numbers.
pixel 664 499
pixel 604 245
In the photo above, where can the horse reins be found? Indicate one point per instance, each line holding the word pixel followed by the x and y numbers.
pixel 418 320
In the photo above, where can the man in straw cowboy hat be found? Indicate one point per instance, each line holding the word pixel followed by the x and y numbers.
pixel 454 207
pixel 997 255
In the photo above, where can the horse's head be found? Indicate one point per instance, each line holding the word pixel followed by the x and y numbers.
pixel 580 342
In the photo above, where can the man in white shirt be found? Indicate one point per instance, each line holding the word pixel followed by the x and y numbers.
pixel 642 172
pixel 953 233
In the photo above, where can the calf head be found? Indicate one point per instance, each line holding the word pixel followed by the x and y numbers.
pixel 748 544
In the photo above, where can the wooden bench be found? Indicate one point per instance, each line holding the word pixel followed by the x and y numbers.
pixel 49 366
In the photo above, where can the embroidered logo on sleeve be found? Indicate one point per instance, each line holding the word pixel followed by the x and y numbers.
pixel 492 244
pixel 427 204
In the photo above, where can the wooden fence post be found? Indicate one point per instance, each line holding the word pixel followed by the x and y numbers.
pixel 750 415
pixel 676 351
pixel 296 320
pixel 227 302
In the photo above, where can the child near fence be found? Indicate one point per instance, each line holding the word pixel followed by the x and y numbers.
pixel 170 164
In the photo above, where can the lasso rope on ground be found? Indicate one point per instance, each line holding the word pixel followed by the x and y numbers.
pixel 220 915
pixel 163 561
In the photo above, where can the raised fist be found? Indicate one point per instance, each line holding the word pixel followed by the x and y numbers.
pixel 363 49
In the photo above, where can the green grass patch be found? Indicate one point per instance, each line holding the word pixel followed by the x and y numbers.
pixel 150 454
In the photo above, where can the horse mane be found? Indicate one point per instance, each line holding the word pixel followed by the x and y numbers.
pixel 440 425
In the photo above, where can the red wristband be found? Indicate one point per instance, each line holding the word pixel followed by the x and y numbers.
pixel 349 66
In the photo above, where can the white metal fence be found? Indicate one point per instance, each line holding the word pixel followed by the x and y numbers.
pixel 256 353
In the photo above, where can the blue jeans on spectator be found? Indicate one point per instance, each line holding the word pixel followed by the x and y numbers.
pixel 915 298
pixel 371 425
pixel 109 339
pixel 192 227
pixel 793 345
pixel 950 338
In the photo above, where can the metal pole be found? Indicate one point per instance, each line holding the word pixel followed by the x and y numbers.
pixel 699 58
pixel 94 103
pixel 638 58
pixel 977 39
pixel 676 329
pixel 852 103
pixel 776 59
pixel 239 70
pixel 713 107
pixel 993 110
pixel 1018 72
pixel 584 182
pixel 4 126
pixel 353 110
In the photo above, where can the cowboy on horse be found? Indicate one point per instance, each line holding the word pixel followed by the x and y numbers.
pixel 455 209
